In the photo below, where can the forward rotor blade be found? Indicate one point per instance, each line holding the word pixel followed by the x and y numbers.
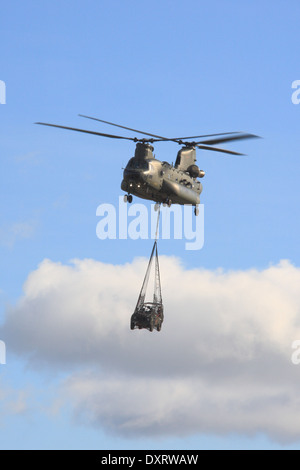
pixel 206 147
pixel 88 132
pixel 177 139
pixel 123 127
pixel 221 140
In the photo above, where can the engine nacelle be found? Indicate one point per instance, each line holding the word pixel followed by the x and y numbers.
pixel 195 171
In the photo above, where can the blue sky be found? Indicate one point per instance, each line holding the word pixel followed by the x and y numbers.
pixel 170 68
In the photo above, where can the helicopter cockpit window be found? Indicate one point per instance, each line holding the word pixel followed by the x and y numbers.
pixel 135 164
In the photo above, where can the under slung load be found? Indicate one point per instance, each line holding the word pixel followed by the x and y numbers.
pixel 150 315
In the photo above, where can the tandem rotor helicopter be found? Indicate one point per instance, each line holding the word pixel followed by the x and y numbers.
pixel 148 178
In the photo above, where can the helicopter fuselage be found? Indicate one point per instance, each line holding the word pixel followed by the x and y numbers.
pixel 148 178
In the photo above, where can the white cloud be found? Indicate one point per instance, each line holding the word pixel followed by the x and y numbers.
pixel 222 362
pixel 29 158
pixel 11 233
pixel 180 406
pixel 12 401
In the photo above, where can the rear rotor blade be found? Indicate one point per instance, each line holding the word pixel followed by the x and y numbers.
pixel 123 127
pixel 134 139
pixel 206 147
pixel 179 140
pixel 221 140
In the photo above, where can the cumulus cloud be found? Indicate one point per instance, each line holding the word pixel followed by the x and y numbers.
pixel 222 362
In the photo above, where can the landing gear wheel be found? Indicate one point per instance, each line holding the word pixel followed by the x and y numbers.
pixel 169 202
pixel 128 198
pixel 156 207
pixel 196 210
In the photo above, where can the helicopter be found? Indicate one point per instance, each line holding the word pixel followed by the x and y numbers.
pixel 159 181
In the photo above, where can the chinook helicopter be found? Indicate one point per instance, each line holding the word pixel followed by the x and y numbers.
pixel 148 178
